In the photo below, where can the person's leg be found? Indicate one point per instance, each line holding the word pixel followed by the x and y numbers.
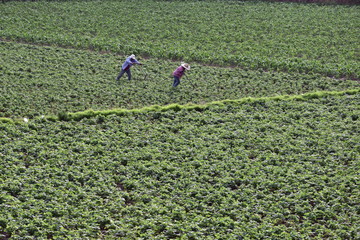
pixel 129 74
pixel 120 74
pixel 176 81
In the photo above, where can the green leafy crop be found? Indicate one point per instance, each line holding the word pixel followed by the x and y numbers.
pixel 262 169
pixel 50 80
pixel 259 141
pixel 274 36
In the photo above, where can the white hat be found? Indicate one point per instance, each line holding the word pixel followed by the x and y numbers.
pixel 132 56
pixel 185 65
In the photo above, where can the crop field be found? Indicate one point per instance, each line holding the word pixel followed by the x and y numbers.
pixel 47 80
pixel 261 139
pixel 276 36
pixel 266 169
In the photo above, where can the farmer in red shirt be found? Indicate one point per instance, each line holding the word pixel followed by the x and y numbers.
pixel 179 72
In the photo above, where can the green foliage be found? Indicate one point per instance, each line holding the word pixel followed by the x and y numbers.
pixel 257 35
pixel 265 168
pixel 265 149
pixel 196 107
pixel 6 120
pixel 53 81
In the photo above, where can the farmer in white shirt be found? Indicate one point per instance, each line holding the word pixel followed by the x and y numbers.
pixel 125 68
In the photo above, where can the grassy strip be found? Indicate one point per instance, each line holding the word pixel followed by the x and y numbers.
pixel 6 120
pixel 199 107
pixel 77 116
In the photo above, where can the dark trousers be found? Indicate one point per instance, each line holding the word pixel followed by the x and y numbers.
pixel 122 73
pixel 176 81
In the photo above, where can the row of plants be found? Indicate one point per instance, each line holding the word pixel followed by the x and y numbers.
pixel 77 116
pixel 263 169
pixel 141 160
pixel 258 35
pixel 39 81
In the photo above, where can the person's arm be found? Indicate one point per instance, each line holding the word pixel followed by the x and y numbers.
pixel 136 62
